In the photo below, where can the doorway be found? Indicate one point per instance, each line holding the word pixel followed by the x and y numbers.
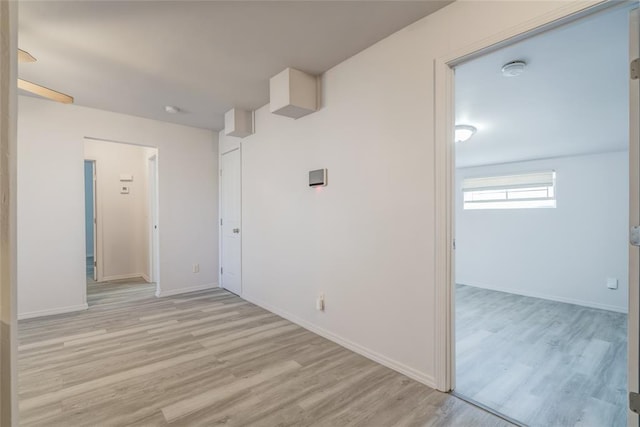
pixel 230 221
pixel 126 226
pixel 90 218
pixel 541 280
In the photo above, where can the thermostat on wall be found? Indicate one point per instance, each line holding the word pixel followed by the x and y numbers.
pixel 318 178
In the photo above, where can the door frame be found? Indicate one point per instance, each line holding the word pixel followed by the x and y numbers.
pixel 98 208
pixel 153 221
pixel 444 120
pixel 94 182
pixel 220 237
pixel 97 255
pixel 634 212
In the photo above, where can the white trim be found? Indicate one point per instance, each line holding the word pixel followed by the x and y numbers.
pixel 444 357
pixel 93 138
pixel 571 12
pixel 444 346
pixel 153 213
pixel 122 277
pixel 556 298
pixel 414 374
pixel 147 278
pixel 633 321
pixel 53 311
pixel 220 213
pixel 160 293
pixel 97 228
pixel 97 260
pixel 231 150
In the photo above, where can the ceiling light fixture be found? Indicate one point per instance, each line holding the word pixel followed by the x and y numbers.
pixel 171 109
pixel 513 68
pixel 464 132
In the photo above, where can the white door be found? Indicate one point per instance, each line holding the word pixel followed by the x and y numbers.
pixel 634 216
pixel 230 227
pixel 154 272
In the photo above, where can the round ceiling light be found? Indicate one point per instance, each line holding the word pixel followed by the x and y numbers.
pixel 513 68
pixel 464 132
pixel 171 109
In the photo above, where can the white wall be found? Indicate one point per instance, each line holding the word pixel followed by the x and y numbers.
pixel 563 254
pixel 367 240
pixel 51 254
pixel 123 227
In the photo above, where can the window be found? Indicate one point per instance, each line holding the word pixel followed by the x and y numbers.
pixel 532 190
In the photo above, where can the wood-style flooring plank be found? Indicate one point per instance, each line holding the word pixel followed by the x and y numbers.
pixel 209 358
pixel 543 363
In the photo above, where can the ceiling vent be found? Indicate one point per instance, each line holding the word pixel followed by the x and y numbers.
pixel 514 68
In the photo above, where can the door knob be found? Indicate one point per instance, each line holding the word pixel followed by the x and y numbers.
pixel 236 230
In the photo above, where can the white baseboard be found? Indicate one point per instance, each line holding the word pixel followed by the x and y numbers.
pixel 421 377
pixel 52 311
pixel 162 293
pixel 553 298
pixel 146 278
pixel 121 277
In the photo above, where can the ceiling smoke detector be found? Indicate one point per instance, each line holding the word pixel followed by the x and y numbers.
pixel 171 109
pixel 513 68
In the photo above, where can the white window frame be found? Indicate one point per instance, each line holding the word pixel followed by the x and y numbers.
pixel 521 191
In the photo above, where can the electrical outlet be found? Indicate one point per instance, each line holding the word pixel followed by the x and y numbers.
pixel 320 302
pixel 196 268
pixel 612 283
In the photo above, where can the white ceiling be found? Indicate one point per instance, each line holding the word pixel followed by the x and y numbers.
pixel 204 57
pixel 571 99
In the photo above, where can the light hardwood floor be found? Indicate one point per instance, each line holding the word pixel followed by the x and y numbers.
pixel 541 362
pixel 116 291
pixel 210 358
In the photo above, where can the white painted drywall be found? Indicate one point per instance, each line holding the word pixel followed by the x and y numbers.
pixel 367 239
pixel 88 207
pixel 51 254
pixel 564 254
pixel 123 230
